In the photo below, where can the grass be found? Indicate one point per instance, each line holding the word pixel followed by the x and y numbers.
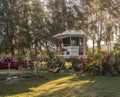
pixel 58 85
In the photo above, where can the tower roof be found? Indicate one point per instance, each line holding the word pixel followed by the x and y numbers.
pixel 69 33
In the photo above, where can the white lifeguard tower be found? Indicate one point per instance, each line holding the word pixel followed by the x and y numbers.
pixel 73 43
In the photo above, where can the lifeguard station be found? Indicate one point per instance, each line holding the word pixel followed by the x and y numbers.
pixel 72 43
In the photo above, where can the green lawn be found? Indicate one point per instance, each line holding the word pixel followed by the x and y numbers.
pixel 58 85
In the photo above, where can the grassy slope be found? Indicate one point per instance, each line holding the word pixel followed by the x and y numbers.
pixel 57 85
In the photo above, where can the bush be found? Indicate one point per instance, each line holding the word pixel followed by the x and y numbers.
pixel 94 68
pixel 116 61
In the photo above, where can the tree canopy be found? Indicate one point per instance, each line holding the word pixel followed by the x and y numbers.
pixel 30 24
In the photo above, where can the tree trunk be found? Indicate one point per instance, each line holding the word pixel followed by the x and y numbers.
pixel 36 51
pixel 98 45
pixel 12 51
pixel 93 46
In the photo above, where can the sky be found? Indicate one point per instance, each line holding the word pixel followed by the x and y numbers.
pixel 89 43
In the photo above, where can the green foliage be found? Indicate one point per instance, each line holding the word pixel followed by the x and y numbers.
pixel 116 55
pixel 20 58
pixel 117 46
pixel 89 66
pixel 29 24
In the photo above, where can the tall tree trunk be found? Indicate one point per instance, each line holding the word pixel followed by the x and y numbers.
pixel 93 46
pixel 100 36
pixel 36 53
pixel 98 45
pixel 12 37
pixel 12 51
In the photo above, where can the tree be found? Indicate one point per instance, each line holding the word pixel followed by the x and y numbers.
pixel 8 16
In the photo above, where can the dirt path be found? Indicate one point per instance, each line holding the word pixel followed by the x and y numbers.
pixel 14 76
pixel 12 71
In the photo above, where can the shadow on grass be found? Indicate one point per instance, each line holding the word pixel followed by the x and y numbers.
pixel 56 85
pixel 24 86
pixel 94 86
